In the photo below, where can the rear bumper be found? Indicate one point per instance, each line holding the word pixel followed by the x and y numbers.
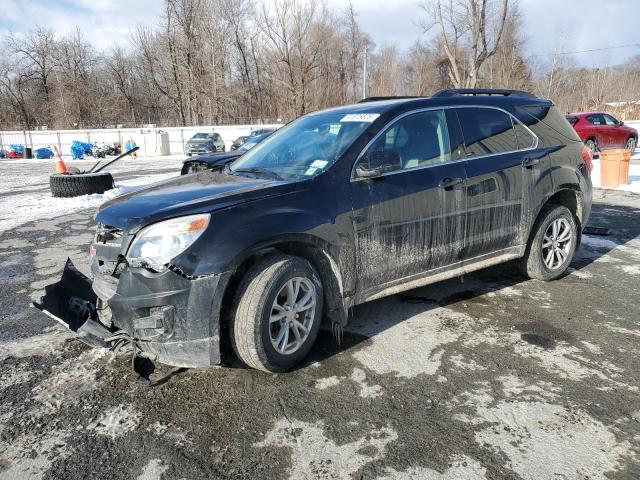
pixel 173 319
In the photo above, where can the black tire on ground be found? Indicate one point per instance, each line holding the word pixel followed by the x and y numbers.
pixel 251 329
pixel 533 263
pixel 80 184
pixel 591 145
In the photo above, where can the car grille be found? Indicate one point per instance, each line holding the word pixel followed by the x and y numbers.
pixel 108 235
pixel 193 167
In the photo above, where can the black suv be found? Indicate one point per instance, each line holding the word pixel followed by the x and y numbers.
pixel 337 208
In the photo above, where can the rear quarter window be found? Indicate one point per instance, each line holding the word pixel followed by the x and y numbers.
pixel 549 125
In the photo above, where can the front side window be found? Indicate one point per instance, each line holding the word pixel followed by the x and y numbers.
pixel 419 140
pixel 305 147
pixel 487 131
pixel 609 120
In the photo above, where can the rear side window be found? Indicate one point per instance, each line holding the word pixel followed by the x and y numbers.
pixel 596 119
pixel 572 120
pixel 487 131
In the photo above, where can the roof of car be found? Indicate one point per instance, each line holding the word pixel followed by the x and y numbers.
pixel 583 114
pixel 444 98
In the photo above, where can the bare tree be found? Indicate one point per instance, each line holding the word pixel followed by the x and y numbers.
pixel 33 54
pixel 469 31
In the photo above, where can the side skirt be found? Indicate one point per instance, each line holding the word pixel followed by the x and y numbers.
pixel 442 273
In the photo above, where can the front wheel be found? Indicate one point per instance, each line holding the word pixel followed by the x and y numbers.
pixel 631 144
pixel 277 314
pixel 552 243
pixel 591 145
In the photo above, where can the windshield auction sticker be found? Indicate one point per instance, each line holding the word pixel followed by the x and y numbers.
pixel 360 117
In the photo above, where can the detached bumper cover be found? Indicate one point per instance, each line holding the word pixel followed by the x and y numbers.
pixel 173 319
pixel 72 303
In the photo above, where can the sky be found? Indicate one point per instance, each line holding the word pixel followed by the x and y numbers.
pixel 549 25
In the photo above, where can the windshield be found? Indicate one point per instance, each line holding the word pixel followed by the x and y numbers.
pixel 306 146
pixel 201 136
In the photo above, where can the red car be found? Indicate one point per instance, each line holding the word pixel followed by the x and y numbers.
pixel 599 131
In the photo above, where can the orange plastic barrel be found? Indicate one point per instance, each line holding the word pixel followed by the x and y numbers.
pixel 614 167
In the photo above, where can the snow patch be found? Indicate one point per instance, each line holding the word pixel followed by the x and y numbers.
pixel 331 461
pixel 116 422
pixel 631 269
pixel 582 273
pixel 29 457
pixel 29 189
pixel 411 347
pixel 366 391
pixel 543 440
pixel 43 344
pixel 153 470
pixel 461 468
pixel 327 382
pixel 14 375
pixel 68 382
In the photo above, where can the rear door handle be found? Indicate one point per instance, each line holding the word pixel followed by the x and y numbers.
pixel 448 183
pixel 529 162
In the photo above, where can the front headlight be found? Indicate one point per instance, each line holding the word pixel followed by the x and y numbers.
pixel 156 245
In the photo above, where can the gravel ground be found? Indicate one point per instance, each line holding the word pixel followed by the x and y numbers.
pixel 483 377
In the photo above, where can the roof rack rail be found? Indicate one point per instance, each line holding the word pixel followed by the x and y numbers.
pixel 453 92
pixel 380 99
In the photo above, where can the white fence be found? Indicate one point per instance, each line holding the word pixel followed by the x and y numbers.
pixel 178 136
pixel 144 137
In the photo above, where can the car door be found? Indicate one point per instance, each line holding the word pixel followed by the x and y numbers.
pixel 494 188
pixel 600 130
pixel 617 135
pixel 410 220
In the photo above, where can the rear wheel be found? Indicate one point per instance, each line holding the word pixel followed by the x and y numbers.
pixel 631 144
pixel 552 244
pixel 278 313
pixel 591 145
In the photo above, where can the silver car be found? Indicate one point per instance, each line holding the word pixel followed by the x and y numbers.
pixel 205 143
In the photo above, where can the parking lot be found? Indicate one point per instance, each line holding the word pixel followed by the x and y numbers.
pixel 483 377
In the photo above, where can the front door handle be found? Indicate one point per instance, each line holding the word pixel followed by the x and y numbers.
pixel 529 162
pixel 448 183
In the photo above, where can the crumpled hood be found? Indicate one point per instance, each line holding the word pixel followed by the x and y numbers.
pixel 185 195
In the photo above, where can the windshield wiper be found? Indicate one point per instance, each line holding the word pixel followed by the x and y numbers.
pixel 259 171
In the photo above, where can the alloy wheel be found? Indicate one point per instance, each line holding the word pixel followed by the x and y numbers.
pixel 631 144
pixel 292 315
pixel 557 243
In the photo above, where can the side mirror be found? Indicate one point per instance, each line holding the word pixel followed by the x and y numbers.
pixel 620 123
pixel 376 164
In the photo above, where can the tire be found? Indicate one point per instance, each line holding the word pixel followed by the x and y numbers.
pixel 252 332
pixel 535 262
pixel 80 184
pixel 631 144
pixel 591 145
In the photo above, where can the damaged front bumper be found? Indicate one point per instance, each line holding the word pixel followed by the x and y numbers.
pixel 170 318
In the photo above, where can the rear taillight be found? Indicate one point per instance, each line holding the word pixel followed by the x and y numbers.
pixel 587 158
